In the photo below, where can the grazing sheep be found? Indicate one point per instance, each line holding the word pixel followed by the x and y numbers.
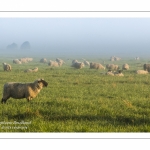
pixel 146 67
pixel 74 61
pixel 60 61
pixel 118 73
pixel 117 58
pixel 114 58
pixel 125 67
pixel 137 58
pixel 110 73
pixel 78 65
pixel 141 72
pixel 17 61
pixel 53 63
pixel 23 60
pixel 112 67
pixel 6 67
pixel 28 70
pixel 86 63
pixel 22 90
pixel 32 70
pixel 94 65
pixel 43 60
pixel 29 59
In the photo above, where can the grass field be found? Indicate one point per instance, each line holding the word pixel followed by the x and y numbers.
pixel 78 100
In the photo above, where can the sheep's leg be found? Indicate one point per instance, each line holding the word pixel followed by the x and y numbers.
pixel 3 100
pixel 28 98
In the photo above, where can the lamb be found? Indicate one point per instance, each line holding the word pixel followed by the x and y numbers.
pixel 6 67
pixel 22 90
pixel 94 65
pixel 32 70
pixel 125 67
pixel 141 72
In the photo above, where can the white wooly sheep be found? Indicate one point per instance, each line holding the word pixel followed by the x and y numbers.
pixel 74 61
pixel 86 63
pixel 22 90
pixel 53 63
pixel 94 65
pixel 114 58
pixel 141 72
pixel 23 60
pixel 32 70
pixel 78 65
pixel 125 67
pixel 29 59
pixel 112 67
pixel 6 67
pixel 60 61
pixel 43 60
pixel 110 73
pixel 17 61
pixel 137 58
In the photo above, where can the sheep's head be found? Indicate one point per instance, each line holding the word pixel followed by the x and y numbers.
pixel 42 83
pixel 4 63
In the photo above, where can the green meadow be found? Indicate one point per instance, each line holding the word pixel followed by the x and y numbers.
pixel 78 100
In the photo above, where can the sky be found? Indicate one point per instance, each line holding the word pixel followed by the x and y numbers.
pixel 78 36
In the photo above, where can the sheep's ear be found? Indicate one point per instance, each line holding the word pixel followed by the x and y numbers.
pixel 39 80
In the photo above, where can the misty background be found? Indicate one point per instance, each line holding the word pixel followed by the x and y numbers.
pixel 85 37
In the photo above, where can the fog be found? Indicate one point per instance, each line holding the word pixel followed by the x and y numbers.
pixel 89 37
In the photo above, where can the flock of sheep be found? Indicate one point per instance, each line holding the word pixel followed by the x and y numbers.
pixel 30 90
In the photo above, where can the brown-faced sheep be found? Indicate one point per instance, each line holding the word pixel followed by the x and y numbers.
pixel 125 67
pixel 22 90
pixel 6 67
pixel 94 65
